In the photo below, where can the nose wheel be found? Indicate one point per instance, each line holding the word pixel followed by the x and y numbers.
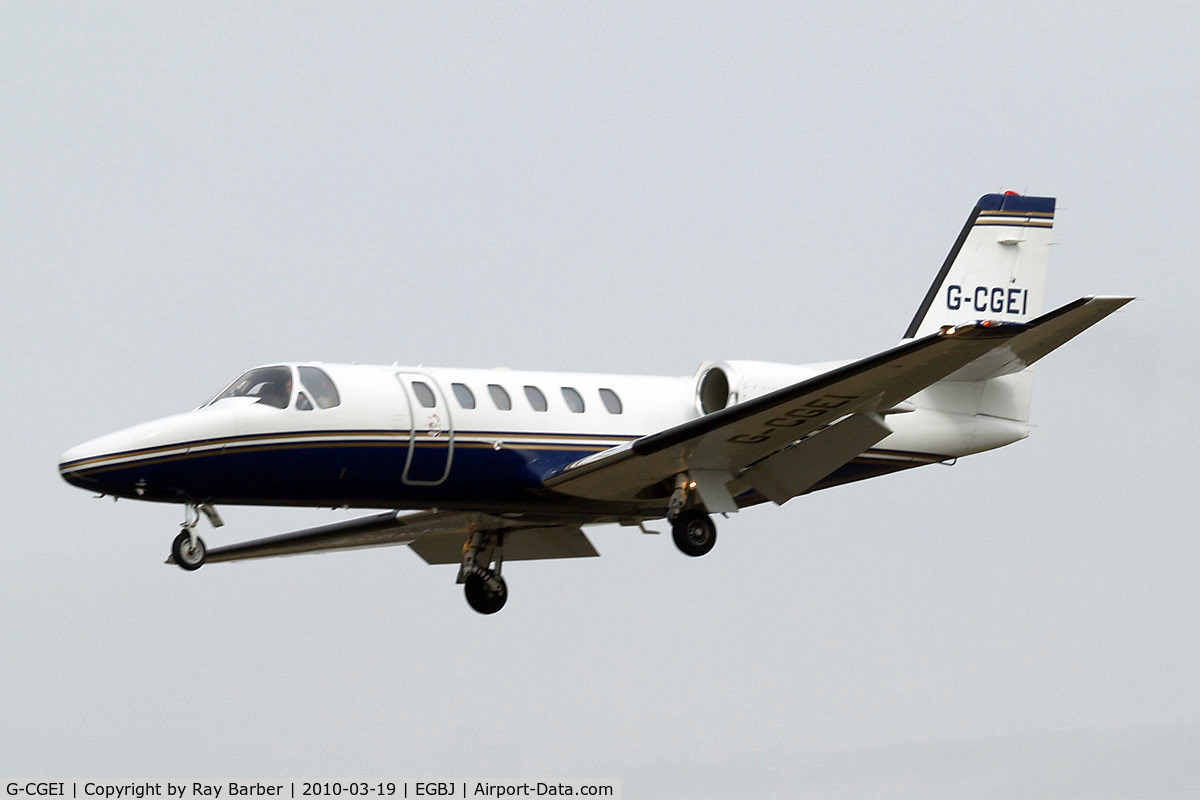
pixel 188 551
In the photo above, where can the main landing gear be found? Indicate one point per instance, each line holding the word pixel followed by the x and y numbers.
pixel 694 532
pixel 485 589
pixel 692 528
pixel 188 551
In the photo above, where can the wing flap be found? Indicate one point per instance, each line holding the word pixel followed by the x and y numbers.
pixel 522 544
pixel 798 468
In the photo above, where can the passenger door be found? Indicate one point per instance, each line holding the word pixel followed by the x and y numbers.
pixel 431 438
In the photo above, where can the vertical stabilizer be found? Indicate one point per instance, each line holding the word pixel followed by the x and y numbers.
pixel 996 269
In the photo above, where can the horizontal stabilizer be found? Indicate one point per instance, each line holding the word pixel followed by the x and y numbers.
pixel 1047 333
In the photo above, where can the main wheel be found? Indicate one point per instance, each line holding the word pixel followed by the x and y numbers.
pixel 486 592
pixel 694 532
pixel 185 555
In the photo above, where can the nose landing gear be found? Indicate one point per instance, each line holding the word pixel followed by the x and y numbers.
pixel 188 551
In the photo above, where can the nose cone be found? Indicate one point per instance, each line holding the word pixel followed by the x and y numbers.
pixel 120 464
pixel 66 466
pixel 80 466
pixel 172 459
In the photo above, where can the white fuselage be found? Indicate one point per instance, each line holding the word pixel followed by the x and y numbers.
pixel 419 437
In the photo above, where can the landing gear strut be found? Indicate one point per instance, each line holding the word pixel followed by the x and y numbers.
pixel 485 589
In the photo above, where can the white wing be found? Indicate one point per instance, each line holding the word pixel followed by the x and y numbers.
pixel 436 536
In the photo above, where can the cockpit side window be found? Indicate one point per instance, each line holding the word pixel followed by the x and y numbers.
pixel 302 402
pixel 271 386
pixel 323 392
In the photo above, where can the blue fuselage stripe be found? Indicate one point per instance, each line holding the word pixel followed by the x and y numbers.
pixel 357 473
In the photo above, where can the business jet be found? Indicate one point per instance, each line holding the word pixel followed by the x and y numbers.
pixel 475 467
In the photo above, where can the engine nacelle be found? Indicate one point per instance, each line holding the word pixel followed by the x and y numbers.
pixel 723 383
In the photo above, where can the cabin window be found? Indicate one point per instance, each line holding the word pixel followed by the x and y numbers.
pixel 303 403
pixel 536 398
pixel 611 401
pixel 500 397
pixel 320 387
pixel 271 386
pixel 466 398
pixel 573 398
pixel 424 394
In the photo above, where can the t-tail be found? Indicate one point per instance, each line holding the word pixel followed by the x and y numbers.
pixel 996 272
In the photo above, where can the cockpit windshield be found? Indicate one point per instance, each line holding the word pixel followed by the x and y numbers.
pixel 271 386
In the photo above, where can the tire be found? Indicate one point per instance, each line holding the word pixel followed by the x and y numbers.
pixel 486 592
pixel 184 555
pixel 694 533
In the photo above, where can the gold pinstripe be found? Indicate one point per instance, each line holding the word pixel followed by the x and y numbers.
pixel 171 453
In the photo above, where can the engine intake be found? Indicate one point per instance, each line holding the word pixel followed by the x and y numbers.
pixel 715 390
pixel 723 383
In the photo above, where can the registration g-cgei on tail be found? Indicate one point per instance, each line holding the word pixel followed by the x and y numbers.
pixel 475 467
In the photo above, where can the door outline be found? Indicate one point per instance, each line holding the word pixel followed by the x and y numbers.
pixel 439 424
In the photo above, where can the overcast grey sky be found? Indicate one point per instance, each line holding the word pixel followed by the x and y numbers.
pixel 194 189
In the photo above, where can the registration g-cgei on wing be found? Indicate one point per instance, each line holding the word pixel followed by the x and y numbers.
pixel 475 467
